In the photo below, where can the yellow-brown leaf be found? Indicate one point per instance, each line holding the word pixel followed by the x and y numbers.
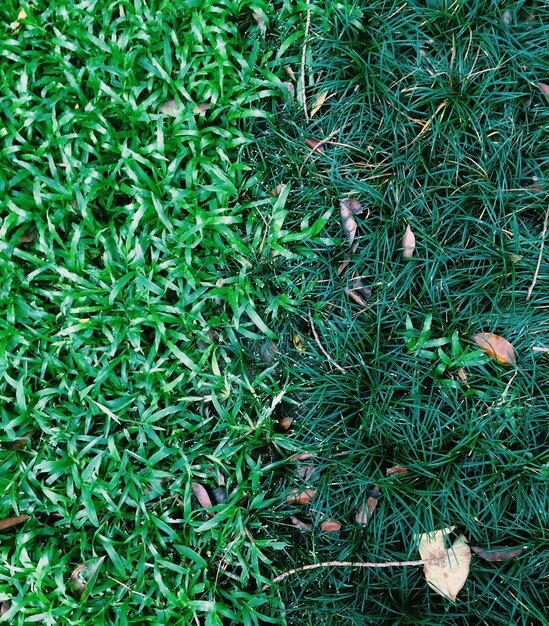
pixel 496 347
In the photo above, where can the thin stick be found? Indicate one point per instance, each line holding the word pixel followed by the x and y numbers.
pixel 543 232
pixel 321 346
pixel 351 564
pixel 303 54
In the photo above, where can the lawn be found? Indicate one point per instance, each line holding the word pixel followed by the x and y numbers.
pixel 183 310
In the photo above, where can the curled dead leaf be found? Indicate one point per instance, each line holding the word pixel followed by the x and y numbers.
pixel 496 347
pixel 448 571
pixel 319 101
pixel 285 423
pixel 84 576
pixel 329 526
pixel 307 472
pixel 300 496
pixel 201 108
pixel 349 207
pixel 5 607
pixel 302 456
pixel 396 469
pixel 408 243
pixel 359 292
pixel 289 88
pixel 315 145
pixel 202 496
pixel 290 73
pixel 8 522
pixel 496 553
pixel 545 88
pixel 365 511
pixel 298 523
pixel 171 108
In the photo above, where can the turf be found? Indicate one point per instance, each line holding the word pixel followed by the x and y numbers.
pixel 161 297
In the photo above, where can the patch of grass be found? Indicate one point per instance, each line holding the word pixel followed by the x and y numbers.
pixel 158 289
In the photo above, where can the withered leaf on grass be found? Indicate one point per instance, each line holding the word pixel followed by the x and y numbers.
pixel 315 145
pixel 496 347
pixel 171 108
pixel 496 553
pixel 202 496
pixel 359 292
pixel 8 522
pixel 285 423
pixel 298 523
pixel 349 208
pixel 319 101
pixel 29 235
pixel 408 243
pixel 300 496
pixel 396 469
pixel 201 108
pixel 450 567
pixel 302 456
pixel 329 526
pixel 308 472
pixel 366 511
pixel 84 576
pixel 545 88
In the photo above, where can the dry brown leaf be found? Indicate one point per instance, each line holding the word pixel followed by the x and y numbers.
pixel 319 101
pixel 171 108
pixel 260 22
pixel 202 496
pixel 545 88
pixel 315 145
pixel 307 472
pixel 359 292
pixel 341 267
pixel 462 376
pixel 300 496
pixel 496 553
pixel 18 443
pixel 302 456
pixel 201 108
pixel 396 469
pixel 290 88
pixel 496 347
pixel 329 526
pixel 408 243
pixel 290 73
pixel 349 208
pixel 285 423
pixel 8 522
pixel 29 235
pixel 301 524
pixel 448 574
pixel 22 15
pixel 366 511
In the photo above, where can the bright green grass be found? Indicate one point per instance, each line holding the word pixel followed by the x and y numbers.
pixel 138 328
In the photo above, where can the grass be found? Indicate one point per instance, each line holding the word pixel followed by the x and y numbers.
pixel 158 301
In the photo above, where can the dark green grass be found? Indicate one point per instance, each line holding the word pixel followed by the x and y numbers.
pixel 148 330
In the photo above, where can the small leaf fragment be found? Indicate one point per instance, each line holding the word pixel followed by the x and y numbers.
pixel 260 21
pixel 496 553
pixel 396 469
pixel 302 456
pixel 329 526
pixel 319 101
pixel 301 524
pixel 300 496
pixel 22 15
pixel 448 571
pixel 29 235
pixel 285 423
pixel 298 344
pixel 290 89
pixel 308 472
pixel 84 577
pixel 171 108
pixel 8 522
pixel 359 292
pixel 366 511
pixel 349 207
pixel 545 88
pixel 462 376
pixel 201 108
pixel 315 145
pixel 408 243
pixel 496 347
pixel 202 496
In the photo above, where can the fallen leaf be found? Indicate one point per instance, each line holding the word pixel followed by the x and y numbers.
pixel 359 292
pixel 366 511
pixel 307 472
pixel 22 15
pixel 291 73
pixel 18 443
pixel 342 266
pixel 171 108
pixel 315 145
pixel 5 607
pixel 302 456
pixel 301 524
pixel 408 243
pixel 496 347
pixel 496 553
pixel 396 469
pixel 285 423
pixel 202 496
pixel 319 101
pixel 329 526
pixel 8 522
pixel 290 88
pixel 462 376
pixel 545 88
pixel 29 235
pixel 83 578
pixel 300 496
pixel 260 22
pixel 349 207
pixel 201 108
pixel 448 573
pixel 298 344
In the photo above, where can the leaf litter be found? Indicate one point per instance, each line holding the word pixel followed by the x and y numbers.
pixel 496 347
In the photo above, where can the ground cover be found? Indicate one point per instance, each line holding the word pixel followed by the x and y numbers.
pixel 175 294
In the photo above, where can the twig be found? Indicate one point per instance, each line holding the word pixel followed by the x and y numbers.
pixel 303 54
pixel 350 564
pixel 543 232
pixel 321 347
